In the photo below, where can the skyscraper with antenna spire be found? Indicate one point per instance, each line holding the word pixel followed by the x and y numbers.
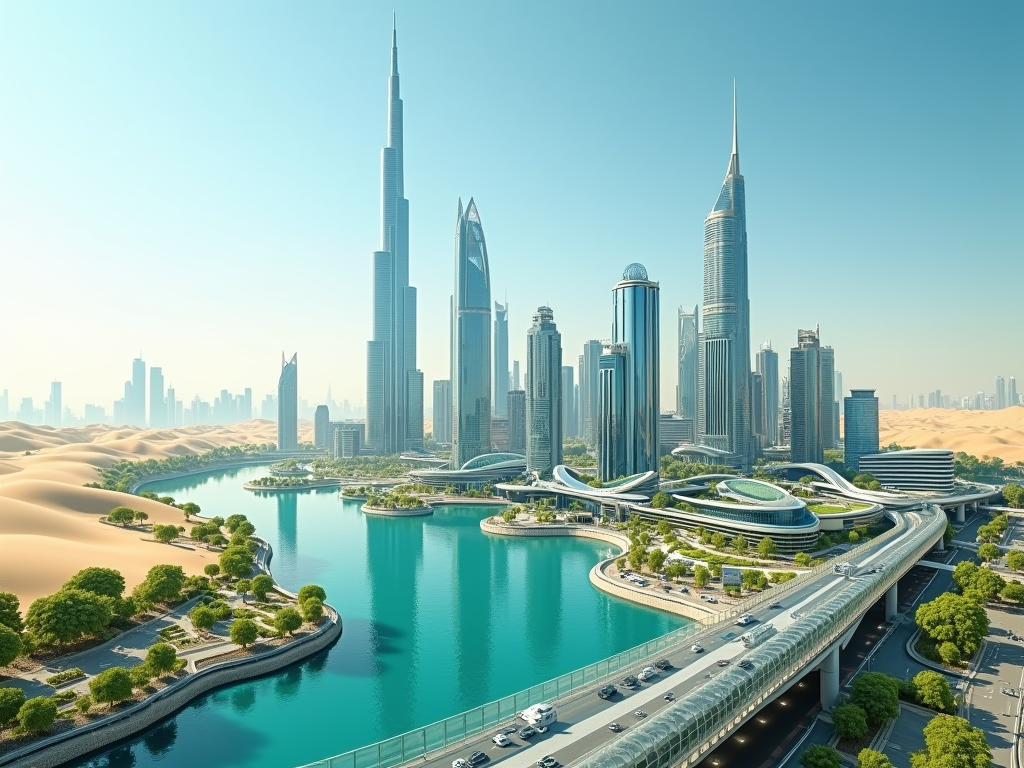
pixel 723 407
pixel 391 353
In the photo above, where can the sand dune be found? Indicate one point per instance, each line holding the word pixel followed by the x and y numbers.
pixel 49 525
pixel 981 433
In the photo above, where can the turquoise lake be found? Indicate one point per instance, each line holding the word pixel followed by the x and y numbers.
pixel 438 618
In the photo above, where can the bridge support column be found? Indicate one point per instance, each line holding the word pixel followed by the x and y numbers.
pixel 890 603
pixel 960 518
pixel 829 669
pixel 940 545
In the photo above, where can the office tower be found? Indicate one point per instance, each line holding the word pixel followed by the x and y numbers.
pixel 612 461
pixel 723 398
pixel 810 393
pixel 157 408
pixel 172 409
pixel 288 404
pixel 860 417
pixel 499 432
pixel 1013 397
pixel 544 379
pixel 686 387
pixel 136 403
pixel 767 365
pixel 414 423
pixel 391 355
pixel 345 441
pixel 516 382
pixel 443 411
pixel 322 427
pixel 568 402
pixel 247 404
pixel 757 415
pixel 838 393
pixel 471 387
pixel 500 359
pixel 1000 399
pixel 673 431
pixel 827 387
pixel 5 405
pixel 55 406
pixel 517 421
pixel 590 391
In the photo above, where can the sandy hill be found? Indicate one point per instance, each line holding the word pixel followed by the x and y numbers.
pixel 981 433
pixel 48 520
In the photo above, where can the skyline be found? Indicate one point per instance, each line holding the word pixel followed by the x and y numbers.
pixel 38 225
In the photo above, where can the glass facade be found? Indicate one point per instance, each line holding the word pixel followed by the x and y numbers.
pixel 768 367
pixel 860 419
pixel 288 404
pixel 686 389
pixel 545 397
pixel 471 385
pixel 500 359
pixel 611 440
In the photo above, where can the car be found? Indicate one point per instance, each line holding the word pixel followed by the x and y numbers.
pixel 528 732
pixel 662 577
pixel 640 713
pixel 697 648
pixel 501 740
pixel 460 763
pixel 775 606
pixel 622 575
pixel 478 757
pixel 542 729
pixel 547 762
pixel 648 673
pixel 608 691
pixel 630 681
pixel 666 587
pixel 1011 692
pixel 745 664
pixel 723 663
pixel 508 731
pixel 614 727
pixel 663 664
pixel 684 590
pixel 670 696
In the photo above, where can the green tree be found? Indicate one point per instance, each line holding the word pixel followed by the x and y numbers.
pixel 949 534
pixel 1014 495
pixel 190 508
pixel 716 569
pixel 111 686
pixel 67 615
pixel 802 560
pixel 656 560
pixel 1013 592
pixel 10 613
pixel 83 704
pixel 878 695
pixel 820 756
pixel 10 645
pixel 988 583
pixel 236 562
pixel 202 617
pixel 312 590
pixel 161 657
pixel 121 515
pixel 287 620
pixel 766 548
pixel 140 675
pixel 244 632
pixel 242 587
pixel 989 533
pixel 261 585
pixel 99 581
pixel 718 540
pixel 952 742
pixel 853 537
pixel 162 584
pixel 11 700
pixel 244 528
pixel 312 610
pixel 850 721
pixel 989 552
pixel 637 556
pixel 1015 560
pixel 954 618
pixel 211 570
pixel 950 654
pixel 964 573
pixel 37 714
pixel 869 758
pixel 165 533
pixel 140 516
pixel 660 500
pixel 701 576
pixel 934 691
pixel 739 543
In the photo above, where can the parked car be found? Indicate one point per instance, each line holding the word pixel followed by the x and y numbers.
pixel 697 648
pixel 501 740
pixel 508 731
pixel 547 762
pixel 775 606
pixel 608 691
pixel 684 590
pixel 478 757
pixel 663 664
pixel 542 729
pixel 528 732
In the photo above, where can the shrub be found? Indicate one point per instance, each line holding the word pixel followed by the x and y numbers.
pixel 111 686
pixel 10 645
pixel 211 570
pixel 140 675
pixel 37 714
pixel 950 654
pixel 161 658
pixel 202 617
pixel 312 610
pixel 83 703
pixel 11 700
pixel 934 692
pixel 850 721
pixel 869 758
pixel 65 676
pixel 312 590
pixel 820 756
pixel 878 695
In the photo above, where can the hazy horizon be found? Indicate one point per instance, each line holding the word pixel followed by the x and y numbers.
pixel 200 183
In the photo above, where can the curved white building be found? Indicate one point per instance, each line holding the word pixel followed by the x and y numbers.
pixel 917 469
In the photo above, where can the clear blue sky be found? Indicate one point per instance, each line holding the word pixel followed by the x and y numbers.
pixel 200 180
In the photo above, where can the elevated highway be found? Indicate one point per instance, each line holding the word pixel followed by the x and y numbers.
pixel 815 615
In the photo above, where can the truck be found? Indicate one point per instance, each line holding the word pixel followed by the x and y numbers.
pixel 539 715
pixel 758 635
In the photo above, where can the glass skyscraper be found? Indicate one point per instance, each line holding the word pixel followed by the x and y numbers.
pixel 590 391
pixel 545 398
pixel 812 403
pixel 393 391
pixel 288 404
pixel 471 343
pixel 686 388
pixel 860 420
pixel 501 377
pixel 723 399
pixel 768 367
pixel 443 411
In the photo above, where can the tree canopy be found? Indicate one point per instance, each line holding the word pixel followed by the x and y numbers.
pixel 878 695
pixel 287 620
pixel 111 686
pixel 202 617
pixel 244 632
pixel 869 758
pixel 312 590
pixel 11 700
pixel 934 692
pixel 236 562
pixel 161 657
pixel 850 720
pixel 952 742
pixel 954 618
pixel 312 610
pixel 1015 560
pixel 10 613
pixel 767 548
pixel 37 714
pixel 820 756
pixel 261 585
pixel 99 581
pixel 162 584
pixel 10 645
pixel 67 615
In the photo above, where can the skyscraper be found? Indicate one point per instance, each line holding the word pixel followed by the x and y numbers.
pixel 860 416
pixel 612 461
pixel 500 359
pixel 443 411
pixel 1013 397
pixel 827 384
pixel 288 404
pixel 516 381
pixel 136 403
pixel 322 427
pixel 723 399
pixel 391 354
pixel 810 394
pixel 55 407
pixel 686 388
pixel 568 402
pixel 590 392
pixel 471 387
pixel 517 421
pixel 414 412
pixel 157 407
pixel 768 367
pixel 1000 399
pixel 758 421
pixel 544 393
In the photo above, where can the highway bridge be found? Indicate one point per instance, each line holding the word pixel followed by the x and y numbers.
pixel 816 615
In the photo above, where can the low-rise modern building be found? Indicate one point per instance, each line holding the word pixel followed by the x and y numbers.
pixel 479 471
pixel 918 469
pixel 705 454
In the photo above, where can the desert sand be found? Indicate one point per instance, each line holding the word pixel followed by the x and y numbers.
pixel 49 526
pixel 981 433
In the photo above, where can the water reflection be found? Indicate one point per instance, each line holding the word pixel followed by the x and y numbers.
pixel 287 685
pixel 542 582
pixel 161 739
pixel 287 548
pixel 243 698
pixel 471 598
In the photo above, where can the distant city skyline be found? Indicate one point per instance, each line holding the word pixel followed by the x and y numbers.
pixel 289 174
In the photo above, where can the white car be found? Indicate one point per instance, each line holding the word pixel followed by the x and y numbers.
pixel 649 673
pixel 697 648
pixel 460 763
pixel 501 739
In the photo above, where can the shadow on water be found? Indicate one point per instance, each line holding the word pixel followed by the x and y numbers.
pixel 243 698
pixel 161 738
pixel 287 686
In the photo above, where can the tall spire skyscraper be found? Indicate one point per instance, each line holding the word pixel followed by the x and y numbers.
pixel 391 354
pixel 723 407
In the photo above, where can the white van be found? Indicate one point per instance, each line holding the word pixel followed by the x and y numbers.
pixel 539 715
pixel 745 619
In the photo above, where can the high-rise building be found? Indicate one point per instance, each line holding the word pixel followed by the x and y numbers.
pixel 516 381
pixel 758 422
pixel 247 404
pixel 768 366
pixel 811 401
pixel 55 407
pixel 568 402
pixel 500 359
pixel 499 432
pixel 723 398
pixel 136 399
pixel 322 427
pixel 544 395
pixel 391 354
pixel 686 387
pixel 590 391
pixel 5 405
pixel 471 386
pixel 157 407
pixel 860 433
pixel 173 406
pixel 288 404
pixel 612 461
pixel 838 393
pixel 1000 398
pixel 443 411
pixel 1014 398
pixel 414 411
pixel 517 421
pixel 827 383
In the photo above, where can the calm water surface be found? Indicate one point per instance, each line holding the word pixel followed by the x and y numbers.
pixel 438 618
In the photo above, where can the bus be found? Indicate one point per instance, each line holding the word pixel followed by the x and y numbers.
pixel 758 635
